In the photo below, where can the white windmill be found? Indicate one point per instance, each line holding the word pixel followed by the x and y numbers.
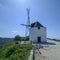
pixel 35 31
pixel 28 23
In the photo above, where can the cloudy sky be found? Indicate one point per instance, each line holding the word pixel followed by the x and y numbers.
pixel 13 13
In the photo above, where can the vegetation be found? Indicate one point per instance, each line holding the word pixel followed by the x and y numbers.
pixel 12 51
pixel 19 38
pixel 27 38
pixel 54 39
pixel 4 40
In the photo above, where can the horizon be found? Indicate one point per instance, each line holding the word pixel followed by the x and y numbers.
pixel 23 36
pixel 13 13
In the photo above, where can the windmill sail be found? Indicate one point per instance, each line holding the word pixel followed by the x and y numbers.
pixel 28 12
pixel 28 22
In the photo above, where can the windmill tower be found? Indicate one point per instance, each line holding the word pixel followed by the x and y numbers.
pixel 28 23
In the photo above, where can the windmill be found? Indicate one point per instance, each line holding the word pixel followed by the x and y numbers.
pixel 28 23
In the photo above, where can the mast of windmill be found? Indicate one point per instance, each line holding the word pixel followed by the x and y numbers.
pixel 28 23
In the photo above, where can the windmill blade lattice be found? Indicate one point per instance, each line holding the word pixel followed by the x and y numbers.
pixel 28 23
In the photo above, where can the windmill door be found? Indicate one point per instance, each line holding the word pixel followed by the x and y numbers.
pixel 39 39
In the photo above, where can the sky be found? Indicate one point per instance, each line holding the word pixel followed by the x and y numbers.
pixel 13 13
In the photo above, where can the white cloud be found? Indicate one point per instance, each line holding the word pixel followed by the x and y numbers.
pixel 15 31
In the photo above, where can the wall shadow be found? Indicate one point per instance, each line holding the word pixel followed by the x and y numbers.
pixel 45 43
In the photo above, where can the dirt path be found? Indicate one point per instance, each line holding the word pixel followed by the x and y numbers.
pixel 52 52
pixel 39 56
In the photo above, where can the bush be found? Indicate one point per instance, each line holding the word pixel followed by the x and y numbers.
pixel 13 51
pixel 18 38
pixel 27 38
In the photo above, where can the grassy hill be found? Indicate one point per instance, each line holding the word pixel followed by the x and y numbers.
pixel 5 40
pixel 12 51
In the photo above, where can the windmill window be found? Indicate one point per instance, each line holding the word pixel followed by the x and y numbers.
pixel 38 27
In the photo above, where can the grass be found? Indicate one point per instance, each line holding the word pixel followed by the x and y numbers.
pixel 12 51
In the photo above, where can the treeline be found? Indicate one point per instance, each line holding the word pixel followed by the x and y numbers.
pixel 20 38
pixel 52 39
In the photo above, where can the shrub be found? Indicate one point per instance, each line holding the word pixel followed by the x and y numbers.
pixel 18 38
pixel 13 51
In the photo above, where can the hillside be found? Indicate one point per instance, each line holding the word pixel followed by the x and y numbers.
pixel 58 40
pixel 12 51
pixel 5 40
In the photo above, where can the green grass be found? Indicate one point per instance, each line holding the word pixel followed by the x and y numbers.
pixel 12 51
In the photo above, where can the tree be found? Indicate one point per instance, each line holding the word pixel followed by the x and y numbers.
pixel 27 38
pixel 18 38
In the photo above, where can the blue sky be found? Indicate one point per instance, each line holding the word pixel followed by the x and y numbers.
pixel 13 13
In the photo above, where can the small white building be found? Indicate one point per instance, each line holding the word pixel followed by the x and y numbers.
pixel 37 33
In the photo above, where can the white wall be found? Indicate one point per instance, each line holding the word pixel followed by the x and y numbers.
pixel 34 33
